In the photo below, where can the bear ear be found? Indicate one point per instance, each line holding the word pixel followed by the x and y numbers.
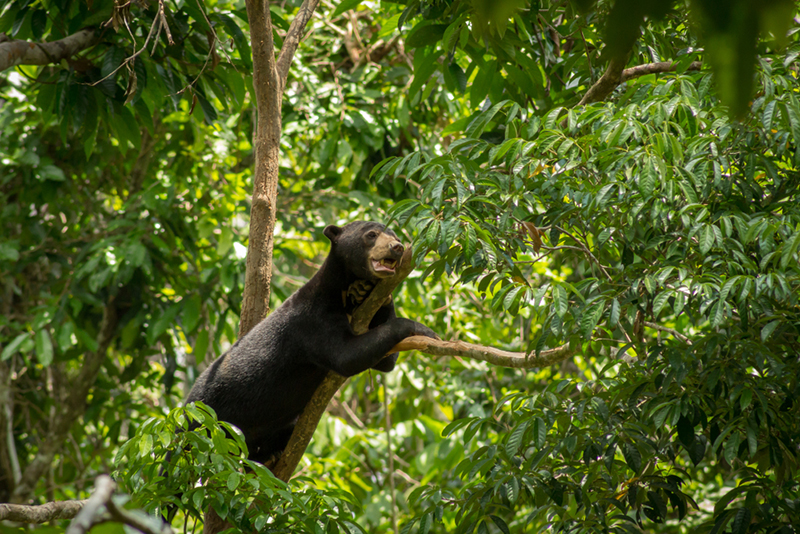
pixel 332 232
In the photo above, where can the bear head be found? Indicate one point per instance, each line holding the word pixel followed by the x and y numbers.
pixel 369 250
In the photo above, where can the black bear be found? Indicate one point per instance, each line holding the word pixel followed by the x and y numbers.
pixel 264 381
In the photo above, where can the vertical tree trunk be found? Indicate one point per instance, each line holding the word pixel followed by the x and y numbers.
pixel 266 144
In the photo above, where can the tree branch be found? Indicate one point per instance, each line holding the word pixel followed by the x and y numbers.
pixel 615 74
pixel 266 143
pixel 655 68
pixel 606 84
pixel 503 358
pixel 309 419
pixel 85 514
pixel 27 53
pixel 42 513
pixel 292 39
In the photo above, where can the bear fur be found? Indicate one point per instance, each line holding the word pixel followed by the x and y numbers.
pixel 263 383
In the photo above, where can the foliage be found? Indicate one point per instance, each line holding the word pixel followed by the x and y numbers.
pixel 652 232
pixel 662 217
pixel 206 466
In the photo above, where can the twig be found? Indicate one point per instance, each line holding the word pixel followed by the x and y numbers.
pixel 587 251
pixel 672 331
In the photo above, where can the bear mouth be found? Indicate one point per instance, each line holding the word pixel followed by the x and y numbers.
pixel 384 266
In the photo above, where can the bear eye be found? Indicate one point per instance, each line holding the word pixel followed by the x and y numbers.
pixel 372 234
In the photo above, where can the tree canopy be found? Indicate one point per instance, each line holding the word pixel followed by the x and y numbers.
pixel 616 179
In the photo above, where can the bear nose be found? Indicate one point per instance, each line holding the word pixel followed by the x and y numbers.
pixel 398 248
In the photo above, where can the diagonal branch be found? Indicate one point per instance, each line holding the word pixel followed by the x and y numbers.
pixel 14 53
pixel 292 39
pixel 655 68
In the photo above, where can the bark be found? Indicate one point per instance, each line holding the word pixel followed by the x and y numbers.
pixel 85 514
pixel 606 84
pixel 616 74
pixel 21 513
pixel 70 408
pixel 517 360
pixel 26 53
pixel 655 68
pixel 269 81
pixel 268 92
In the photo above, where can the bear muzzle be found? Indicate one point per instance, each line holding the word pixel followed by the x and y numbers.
pixel 385 255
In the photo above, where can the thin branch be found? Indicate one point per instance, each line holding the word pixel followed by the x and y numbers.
pixel 587 252
pixel 292 39
pixel 672 331
pixel 502 358
pixel 85 514
pixel 655 68
pixel 93 507
pixel 27 53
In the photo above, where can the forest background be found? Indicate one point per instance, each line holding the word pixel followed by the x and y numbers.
pixel 620 178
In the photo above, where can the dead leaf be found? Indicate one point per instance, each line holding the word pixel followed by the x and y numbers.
pixel 535 235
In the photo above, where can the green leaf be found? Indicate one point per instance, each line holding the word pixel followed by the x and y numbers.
pixel 425 34
pixel 44 347
pixel 344 5
pixel 160 324
pixel 200 347
pixel 707 238
pixel 51 172
pixel 590 318
pixel 560 300
pixel 790 248
pixel 233 481
pixel 515 438
pixel 427 66
pixel 191 312
pixel 741 521
pixel 239 39
pixel 501 524
pixel 769 328
pixel 632 457
pixel 10 349
pixel 539 432
pixel 459 77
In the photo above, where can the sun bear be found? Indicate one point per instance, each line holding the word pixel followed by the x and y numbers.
pixel 263 383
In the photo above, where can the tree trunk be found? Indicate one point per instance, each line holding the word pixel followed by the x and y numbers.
pixel 268 93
